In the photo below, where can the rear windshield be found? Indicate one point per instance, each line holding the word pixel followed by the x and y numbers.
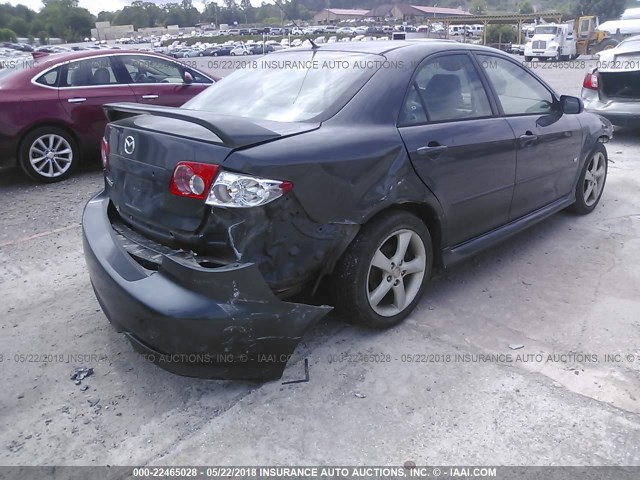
pixel 290 87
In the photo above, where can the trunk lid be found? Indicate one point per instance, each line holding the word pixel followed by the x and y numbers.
pixel 145 149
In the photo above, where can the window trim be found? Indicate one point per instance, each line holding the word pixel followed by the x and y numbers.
pixel 43 74
pixel 109 55
pixel 428 58
pixel 64 72
pixel 502 114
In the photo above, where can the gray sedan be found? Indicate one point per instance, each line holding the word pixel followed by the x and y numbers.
pixel 612 88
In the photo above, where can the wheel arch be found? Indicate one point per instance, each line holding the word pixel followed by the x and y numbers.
pixel 429 216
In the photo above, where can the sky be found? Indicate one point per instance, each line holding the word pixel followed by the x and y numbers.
pixel 97 6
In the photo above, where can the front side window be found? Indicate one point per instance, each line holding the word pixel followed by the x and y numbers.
pixel 446 88
pixel 143 69
pixel 519 92
pixel 89 72
pixel 147 69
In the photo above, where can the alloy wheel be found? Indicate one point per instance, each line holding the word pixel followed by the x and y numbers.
pixel 594 179
pixel 396 272
pixel 51 155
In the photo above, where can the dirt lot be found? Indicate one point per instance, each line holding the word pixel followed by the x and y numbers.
pixel 569 287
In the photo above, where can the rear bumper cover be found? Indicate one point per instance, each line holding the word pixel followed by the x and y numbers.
pixel 620 113
pixel 213 323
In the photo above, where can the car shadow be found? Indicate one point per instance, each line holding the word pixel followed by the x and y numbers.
pixel 16 179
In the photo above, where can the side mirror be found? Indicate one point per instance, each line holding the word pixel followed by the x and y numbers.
pixel 187 78
pixel 571 105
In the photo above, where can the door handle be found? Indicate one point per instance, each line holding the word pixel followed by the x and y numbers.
pixel 432 149
pixel 149 97
pixel 77 100
pixel 528 139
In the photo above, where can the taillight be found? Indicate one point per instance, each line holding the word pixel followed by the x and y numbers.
pixel 591 81
pixel 235 190
pixel 193 180
pixel 104 153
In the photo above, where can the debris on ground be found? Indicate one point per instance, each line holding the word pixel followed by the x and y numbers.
pixel 14 446
pixel 360 395
pixel 80 373
pixel 93 402
pixel 516 346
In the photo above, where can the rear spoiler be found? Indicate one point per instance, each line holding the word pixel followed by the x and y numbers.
pixel 232 131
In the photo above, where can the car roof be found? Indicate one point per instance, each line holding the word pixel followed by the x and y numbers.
pixel 379 47
pixel 53 58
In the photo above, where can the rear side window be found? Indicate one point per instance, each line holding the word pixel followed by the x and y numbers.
pixel 50 78
pixel 519 92
pixel 89 72
pixel 446 88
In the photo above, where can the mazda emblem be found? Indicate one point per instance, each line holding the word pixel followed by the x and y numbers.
pixel 129 145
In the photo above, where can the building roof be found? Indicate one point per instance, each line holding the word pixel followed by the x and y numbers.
pixel 440 10
pixel 414 10
pixel 347 11
pixel 381 10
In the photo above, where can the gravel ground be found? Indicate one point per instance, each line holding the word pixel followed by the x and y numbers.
pixel 570 286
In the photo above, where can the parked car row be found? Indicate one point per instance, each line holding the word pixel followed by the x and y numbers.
pixel 252 47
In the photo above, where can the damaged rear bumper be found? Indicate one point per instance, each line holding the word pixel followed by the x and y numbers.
pixel 222 322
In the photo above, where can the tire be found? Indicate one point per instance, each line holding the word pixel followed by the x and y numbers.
pixel 48 154
pixel 588 194
pixel 528 59
pixel 354 280
pixel 215 54
pixel 606 44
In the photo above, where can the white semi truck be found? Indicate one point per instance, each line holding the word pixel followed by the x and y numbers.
pixel 551 41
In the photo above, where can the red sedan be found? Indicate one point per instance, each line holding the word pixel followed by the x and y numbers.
pixel 51 107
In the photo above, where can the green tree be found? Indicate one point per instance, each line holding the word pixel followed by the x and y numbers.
pixel 174 14
pixel 191 14
pixel 501 33
pixel 8 35
pixel 245 6
pixel 525 7
pixel 19 26
pixel 107 17
pixel 604 9
pixel 63 18
pixel 478 7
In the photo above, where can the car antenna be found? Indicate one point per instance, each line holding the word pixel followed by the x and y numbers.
pixel 306 36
